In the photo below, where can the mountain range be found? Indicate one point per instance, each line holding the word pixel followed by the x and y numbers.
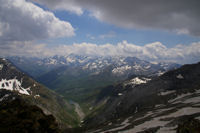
pixel 120 66
pixel 78 77
pixel 104 94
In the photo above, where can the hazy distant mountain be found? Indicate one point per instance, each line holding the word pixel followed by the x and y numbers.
pixel 74 76
pixel 121 94
pixel 121 66
pixel 19 84
pixel 143 104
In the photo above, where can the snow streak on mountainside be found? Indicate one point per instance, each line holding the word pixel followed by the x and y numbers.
pixel 13 85
pixel 137 81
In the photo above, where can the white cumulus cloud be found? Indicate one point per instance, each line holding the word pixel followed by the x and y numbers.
pixel 69 5
pixel 151 52
pixel 24 21
pixel 180 16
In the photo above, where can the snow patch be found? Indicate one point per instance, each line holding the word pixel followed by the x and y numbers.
pixel 13 85
pixel 1 67
pixel 124 124
pixel 52 62
pixel 167 92
pixel 121 70
pixel 150 113
pixel 137 81
pixel 63 63
pixel 147 67
pixel 93 66
pixel 153 62
pixel 120 94
pixel 136 109
pixel 70 60
pixel 160 73
pixel 179 76
pixel 109 124
pixel 95 73
pixel 193 100
pixel 159 105
pixel 7 95
pixel 86 66
pixel 163 117
pixel 188 98
pixel 81 61
pixel 158 121
pixel 36 96
pixel 184 111
pixel 179 98
pixel 137 67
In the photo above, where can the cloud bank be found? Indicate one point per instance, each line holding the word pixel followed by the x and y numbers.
pixel 151 52
pixel 180 16
pixel 23 21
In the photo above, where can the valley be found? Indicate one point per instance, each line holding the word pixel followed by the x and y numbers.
pixel 99 66
pixel 81 78
pixel 157 98
pixel 82 73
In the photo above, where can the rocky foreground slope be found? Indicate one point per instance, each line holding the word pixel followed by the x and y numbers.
pixel 17 116
pixel 159 105
pixel 33 93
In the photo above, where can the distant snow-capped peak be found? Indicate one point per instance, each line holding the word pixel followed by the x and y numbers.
pixel 118 66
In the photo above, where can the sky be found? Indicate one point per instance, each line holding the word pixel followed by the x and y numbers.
pixel 152 30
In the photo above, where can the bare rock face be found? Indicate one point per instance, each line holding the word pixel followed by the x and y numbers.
pixel 17 116
pixel 189 126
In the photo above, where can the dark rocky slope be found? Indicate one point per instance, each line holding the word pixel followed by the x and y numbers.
pixel 36 94
pixel 17 116
pixel 162 102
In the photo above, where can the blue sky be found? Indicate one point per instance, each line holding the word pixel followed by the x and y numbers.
pixel 149 29
pixel 89 29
